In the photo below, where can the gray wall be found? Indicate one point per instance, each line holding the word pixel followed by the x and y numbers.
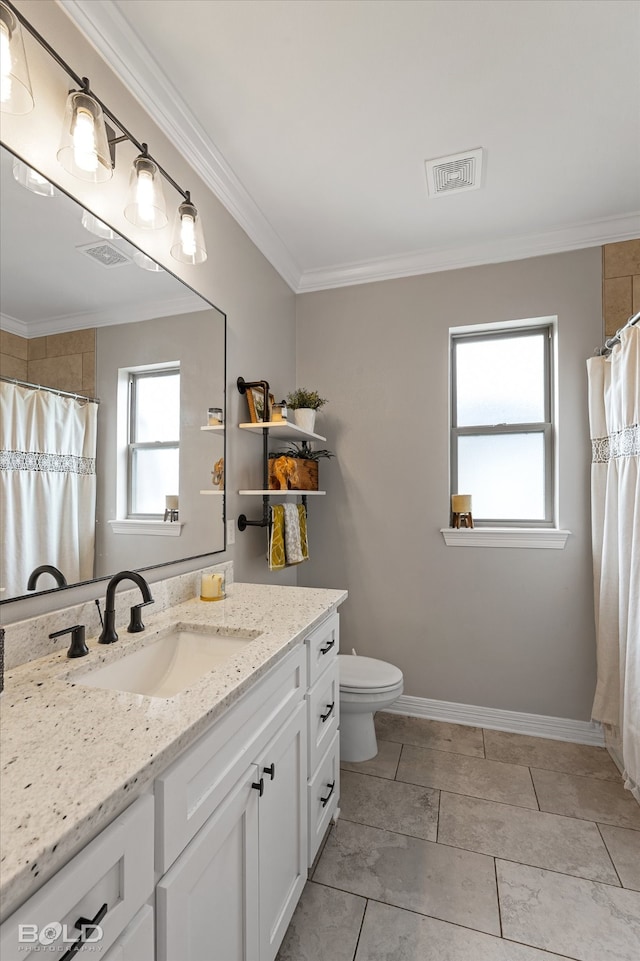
pixel 501 628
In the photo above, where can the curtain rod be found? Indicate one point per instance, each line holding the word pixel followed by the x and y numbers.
pixel 612 341
pixel 54 390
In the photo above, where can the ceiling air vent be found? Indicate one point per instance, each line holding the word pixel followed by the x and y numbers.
pixel 455 173
pixel 105 253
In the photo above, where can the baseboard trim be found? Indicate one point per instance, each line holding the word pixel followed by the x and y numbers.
pixel 515 722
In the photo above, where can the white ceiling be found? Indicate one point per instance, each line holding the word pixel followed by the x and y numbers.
pixel 312 119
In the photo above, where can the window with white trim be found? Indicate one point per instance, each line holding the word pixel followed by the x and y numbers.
pixel 502 425
pixel 153 449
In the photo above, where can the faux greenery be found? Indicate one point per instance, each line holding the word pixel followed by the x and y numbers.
pixel 302 451
pixel 301 397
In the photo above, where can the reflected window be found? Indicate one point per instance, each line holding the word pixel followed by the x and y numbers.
pixel 154 440
pixel 502 431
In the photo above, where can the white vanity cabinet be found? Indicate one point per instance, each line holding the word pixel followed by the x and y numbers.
pixel 229 896
pixel 108 883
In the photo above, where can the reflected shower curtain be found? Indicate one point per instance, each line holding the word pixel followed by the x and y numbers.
pixel 614 415
pixel 48 485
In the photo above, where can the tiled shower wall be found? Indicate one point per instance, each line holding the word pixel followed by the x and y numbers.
pixel 620 284
pixel 66 361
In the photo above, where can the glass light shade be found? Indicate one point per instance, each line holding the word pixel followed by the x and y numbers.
pixel 28 177
pixel 188 237
pixel 97 227
pixel 84 145
pixel 145 202
pixel 15 85
pixel 146 262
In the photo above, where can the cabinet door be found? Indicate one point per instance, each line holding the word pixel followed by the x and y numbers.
pixel 282 822
pixel 207 903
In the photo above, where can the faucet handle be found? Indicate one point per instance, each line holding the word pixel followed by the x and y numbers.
pixel 135 624
pixel 77 648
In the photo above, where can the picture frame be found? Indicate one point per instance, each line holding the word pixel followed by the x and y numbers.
pixel 255 400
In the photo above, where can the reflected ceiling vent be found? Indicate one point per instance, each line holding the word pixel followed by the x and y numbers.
pixel 455 173
pixel 105 253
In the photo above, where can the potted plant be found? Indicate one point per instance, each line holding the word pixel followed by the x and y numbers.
pixel 295 467
pixel 304 404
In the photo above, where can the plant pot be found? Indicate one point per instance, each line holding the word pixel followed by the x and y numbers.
pixel 305 417
pixel 293 473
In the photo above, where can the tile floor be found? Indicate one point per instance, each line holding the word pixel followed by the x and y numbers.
pixel 462 844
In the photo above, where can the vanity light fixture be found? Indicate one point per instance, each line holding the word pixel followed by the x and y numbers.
pixel 145 205
pixel 88 142
pixel 16 96
pixel 27 177
pixel 97 227
pixel 147 263
pixel 188 238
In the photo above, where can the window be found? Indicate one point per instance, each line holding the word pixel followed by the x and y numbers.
pixel 154 440
pixel 502 431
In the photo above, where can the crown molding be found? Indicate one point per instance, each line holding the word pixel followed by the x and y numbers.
pixel 109 33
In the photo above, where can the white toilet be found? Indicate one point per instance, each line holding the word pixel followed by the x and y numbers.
pixel 366 686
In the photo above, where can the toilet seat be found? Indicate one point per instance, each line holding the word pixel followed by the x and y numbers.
pixel 367 675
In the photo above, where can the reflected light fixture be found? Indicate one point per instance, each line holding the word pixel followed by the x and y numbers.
pixel 145 202
pixel 27 177
pixel 84 144
pixel 98 227
pixel 188 238
pixel 15 85
pixel 147 263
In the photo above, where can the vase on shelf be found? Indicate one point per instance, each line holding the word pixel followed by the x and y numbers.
pixel 305 418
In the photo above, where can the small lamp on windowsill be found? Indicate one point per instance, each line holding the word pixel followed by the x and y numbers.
pixel 171 507
pixel 461 510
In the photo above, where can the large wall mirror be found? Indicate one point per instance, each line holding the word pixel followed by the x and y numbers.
pixel 88 315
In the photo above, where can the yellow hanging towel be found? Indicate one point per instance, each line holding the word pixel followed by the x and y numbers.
pixel 276 538
pixel 288 542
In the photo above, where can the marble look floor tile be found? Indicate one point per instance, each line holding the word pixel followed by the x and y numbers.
pixel 531 837
pixel 477 777
pixel 432 734
pixel 384 764
pixel 582 919
pixel 391 933
pixel 429 878
pixel 391 805
pixel 540 752
pixel 325 926
pixel 624 848
pixel 586 797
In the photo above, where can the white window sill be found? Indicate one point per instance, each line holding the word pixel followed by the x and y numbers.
pixel 526 537
pixel 160 528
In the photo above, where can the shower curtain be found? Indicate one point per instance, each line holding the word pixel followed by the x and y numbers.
pixel 614 415
pixel 48 486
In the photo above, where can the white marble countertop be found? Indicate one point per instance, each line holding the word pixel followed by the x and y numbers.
pixel 73 757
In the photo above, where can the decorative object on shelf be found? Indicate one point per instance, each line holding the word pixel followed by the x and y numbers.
pixel 171 512
pixel 279 412
pixel 212 587
pixel 214 416
pixel 255 400
pixel 461 510
pixel 303 475
pixel 305 404
pixel 217 474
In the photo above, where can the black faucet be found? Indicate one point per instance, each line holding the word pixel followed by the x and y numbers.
pixel 61 580
pixel 108 635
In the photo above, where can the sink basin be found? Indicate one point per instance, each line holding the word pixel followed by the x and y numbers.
pixel 168 665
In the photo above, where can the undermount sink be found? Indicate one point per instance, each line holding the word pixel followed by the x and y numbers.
pixel 170 664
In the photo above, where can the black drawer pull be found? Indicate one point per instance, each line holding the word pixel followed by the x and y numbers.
pixel 329 712
pixel 271 771
pixel 327 647
pixel 86 927
pixel 325 800
pixel 259 786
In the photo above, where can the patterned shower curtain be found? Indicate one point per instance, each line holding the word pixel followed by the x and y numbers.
pixel 614 415
pixel 48 485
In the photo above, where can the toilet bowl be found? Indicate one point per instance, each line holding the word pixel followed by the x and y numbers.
pixel 366 686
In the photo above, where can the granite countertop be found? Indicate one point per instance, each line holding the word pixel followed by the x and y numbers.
pixel 73 757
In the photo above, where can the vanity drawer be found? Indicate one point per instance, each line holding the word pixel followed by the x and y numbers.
pixel 323 794
pixel 189 791
pixel 323 644
pixel 109 881
pixel 323 701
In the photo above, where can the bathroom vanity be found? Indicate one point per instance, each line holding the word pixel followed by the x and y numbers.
pixel 178 827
